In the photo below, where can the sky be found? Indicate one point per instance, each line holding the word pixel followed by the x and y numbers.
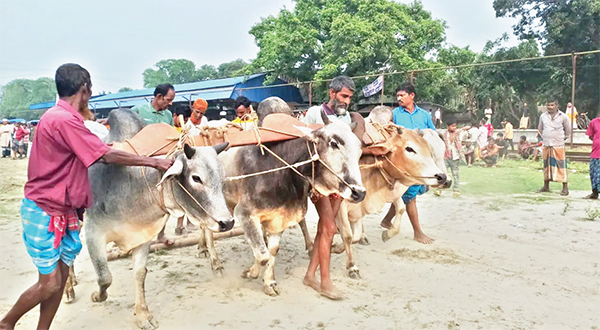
pixel 116 40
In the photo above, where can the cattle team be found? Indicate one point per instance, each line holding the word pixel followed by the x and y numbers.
pixel 346 166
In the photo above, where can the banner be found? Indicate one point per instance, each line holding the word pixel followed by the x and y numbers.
pixel 373 87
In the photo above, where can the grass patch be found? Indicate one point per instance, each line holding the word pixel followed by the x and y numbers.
pixel 593 213
pixel 518 177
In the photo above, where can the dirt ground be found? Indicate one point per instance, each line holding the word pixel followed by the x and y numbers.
pixel 498 262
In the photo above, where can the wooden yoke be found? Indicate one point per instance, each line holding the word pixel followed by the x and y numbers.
pixel 162 139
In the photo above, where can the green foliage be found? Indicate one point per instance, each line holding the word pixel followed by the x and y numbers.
pixel 323 39
pixel 19 94
pixel 184 71
pixel 563 27
pixel 593 213
pixel 125 89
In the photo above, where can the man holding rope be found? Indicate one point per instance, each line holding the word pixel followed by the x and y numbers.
pixel 58 190
pixel 341 90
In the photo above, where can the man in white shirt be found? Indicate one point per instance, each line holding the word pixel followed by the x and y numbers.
pixel 488 114
pixel 438 118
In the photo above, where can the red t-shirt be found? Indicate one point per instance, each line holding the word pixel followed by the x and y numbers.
pixel 63 149
pixel 593 132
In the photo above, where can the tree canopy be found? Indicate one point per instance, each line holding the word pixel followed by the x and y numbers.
pixel 19 94
pixel 179 71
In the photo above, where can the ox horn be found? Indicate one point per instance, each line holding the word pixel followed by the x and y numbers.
pixel 189 151
pixel 220 147
pixel 324 117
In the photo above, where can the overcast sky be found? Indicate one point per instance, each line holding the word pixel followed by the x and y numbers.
pixel 116 40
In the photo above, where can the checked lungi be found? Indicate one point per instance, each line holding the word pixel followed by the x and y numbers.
pixel 595 173
pixel 555 164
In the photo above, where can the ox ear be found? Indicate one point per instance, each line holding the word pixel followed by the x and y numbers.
pixel 378 149
pixel 220 147
pixel 324 117
pixel 174 170
pixel 305 130
pixel 189 151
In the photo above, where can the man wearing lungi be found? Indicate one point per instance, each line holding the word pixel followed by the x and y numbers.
pixel 593 132
pixel 554 127
pixel 58 189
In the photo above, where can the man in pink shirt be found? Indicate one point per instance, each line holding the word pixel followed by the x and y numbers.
pixel 593 132
pixel 58 189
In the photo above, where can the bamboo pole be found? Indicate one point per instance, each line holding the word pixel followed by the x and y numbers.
pixel 574 64
pixel 179 242
pixel 382 89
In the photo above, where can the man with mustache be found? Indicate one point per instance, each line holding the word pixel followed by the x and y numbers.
pixel 58 190
pixel 341 90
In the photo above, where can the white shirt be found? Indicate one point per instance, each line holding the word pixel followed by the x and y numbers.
pixel 482 138
pixel 193 129
pixel 488 112
pixel 313 116
pixel 438 114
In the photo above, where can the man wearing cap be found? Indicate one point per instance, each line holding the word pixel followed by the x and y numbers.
pixel 58 189
pixel 198 118
pixel 157 110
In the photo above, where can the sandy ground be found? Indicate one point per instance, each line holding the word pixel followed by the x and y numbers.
pixel 499 262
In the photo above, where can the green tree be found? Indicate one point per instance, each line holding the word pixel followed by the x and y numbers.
pixel 19 94
pixel 232 69
pixel 563 27
pixel 321 39
pixel 206 72
pixel 125 89
pixel 173 71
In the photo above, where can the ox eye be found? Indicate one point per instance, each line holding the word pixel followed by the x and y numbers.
pixel 409 149
pixel 334 144
pixel 196 179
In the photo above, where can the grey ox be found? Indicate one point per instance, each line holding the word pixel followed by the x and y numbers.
pixel 268 204
pixel 129 209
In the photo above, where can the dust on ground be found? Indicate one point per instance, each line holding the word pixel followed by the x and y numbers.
pixel 518 261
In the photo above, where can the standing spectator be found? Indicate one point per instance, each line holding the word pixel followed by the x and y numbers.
pixel 22 138
pixel 471 149
pixel 246 118
pixel 489 153
pixel 508 134
pixel 524 123
pixel 58 190
pixel 483 135
pixel 488 115
pixel 6 131
pixel 438 118
pixel 502 145
pixel 157 111
pixel 452 156
pixel 593 132
pixel 571 112
pixel 554 127
pixel 410 116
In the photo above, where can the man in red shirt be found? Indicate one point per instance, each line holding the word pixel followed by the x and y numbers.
pixel 593 132
pixel 58 189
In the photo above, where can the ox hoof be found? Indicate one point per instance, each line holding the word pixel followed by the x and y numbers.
pixel 385 236
pixel 145 321
pixel 96 297
pixel 271 289
pixel 219 271
pixel 354 274
pixel 202 254
pixel 338 248
pixel 69 295
pixel 364 241
pixel 249 274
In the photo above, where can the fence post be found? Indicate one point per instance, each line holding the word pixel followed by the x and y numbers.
pixel 382 96
pixel 310 94
pixel 574 63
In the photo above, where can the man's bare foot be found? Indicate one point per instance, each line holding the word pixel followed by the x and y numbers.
pixel 564 193
pixel 331 292
pixel 387 224
pixel 422 238
pixel 541 190
pixel 312 282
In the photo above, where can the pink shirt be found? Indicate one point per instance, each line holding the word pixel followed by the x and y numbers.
pixel 63 149
pixel 593 132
